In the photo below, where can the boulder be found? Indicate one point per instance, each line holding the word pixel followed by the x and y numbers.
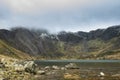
pixel 71 66
pixel 30 66
pixel 27 66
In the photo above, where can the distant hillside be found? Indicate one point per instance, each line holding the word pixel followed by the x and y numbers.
pixel 97 44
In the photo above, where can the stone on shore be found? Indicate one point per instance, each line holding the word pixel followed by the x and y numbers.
pixel 55 67
pixel 102 74
pixel 71 66
pixel 30 66
pixel 41 72
pixel 47 68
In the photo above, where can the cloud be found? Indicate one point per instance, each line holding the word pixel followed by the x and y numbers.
pixel 70 15
pixel 35 6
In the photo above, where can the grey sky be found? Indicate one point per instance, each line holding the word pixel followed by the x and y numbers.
pixel 57 15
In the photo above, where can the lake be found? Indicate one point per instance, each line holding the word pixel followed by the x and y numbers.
pixel 88 69
pixel 81 63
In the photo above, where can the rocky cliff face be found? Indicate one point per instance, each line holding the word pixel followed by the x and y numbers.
pixel 98 43
pixel 104 34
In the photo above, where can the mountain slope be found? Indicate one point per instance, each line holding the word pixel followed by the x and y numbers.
pixel 34 43
pixel 9 51
pixel 97 44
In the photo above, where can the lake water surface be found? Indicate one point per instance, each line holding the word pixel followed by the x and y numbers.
pixel 88 69
pixel 81 63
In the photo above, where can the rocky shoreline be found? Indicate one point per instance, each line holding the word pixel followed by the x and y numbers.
pixel 14 69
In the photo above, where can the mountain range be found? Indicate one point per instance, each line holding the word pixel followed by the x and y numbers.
pixel 40 44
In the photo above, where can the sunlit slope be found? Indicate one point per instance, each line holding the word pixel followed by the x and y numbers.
pixel 7 50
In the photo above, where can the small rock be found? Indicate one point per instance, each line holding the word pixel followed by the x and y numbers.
pixel 102 74
pixel 2 65
pixel 116 75
pixel 63 68
pixel 55 67
pixel 41 72
pixel 1 78
pixel 47 68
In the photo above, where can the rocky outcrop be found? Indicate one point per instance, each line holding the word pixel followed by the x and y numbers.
pixel 19 65
pixel 14 69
